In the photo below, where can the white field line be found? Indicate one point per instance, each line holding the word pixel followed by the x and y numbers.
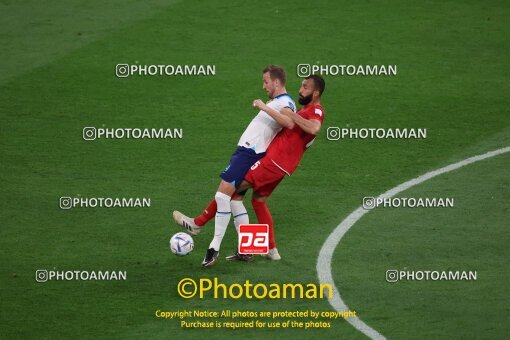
pixel 326 252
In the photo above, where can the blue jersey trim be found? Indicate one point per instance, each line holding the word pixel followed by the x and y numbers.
pixel 291 100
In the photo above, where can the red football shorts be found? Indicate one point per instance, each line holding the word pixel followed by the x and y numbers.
pixel 264 176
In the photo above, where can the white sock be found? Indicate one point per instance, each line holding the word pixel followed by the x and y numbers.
pixel 221 220
pixel 240 213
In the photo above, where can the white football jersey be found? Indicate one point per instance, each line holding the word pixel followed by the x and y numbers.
pixel 263 128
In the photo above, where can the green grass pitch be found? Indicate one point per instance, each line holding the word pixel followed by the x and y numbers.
pixel 57 76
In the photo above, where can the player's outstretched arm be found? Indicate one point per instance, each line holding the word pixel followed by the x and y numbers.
pixel 281 119
pixel 312 126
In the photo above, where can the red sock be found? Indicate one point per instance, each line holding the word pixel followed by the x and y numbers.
pixel 207 215
pixel 264 217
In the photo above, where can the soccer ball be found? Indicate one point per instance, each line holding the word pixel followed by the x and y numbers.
pixel 181 244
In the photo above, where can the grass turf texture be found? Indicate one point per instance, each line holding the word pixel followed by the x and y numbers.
pixel 57 76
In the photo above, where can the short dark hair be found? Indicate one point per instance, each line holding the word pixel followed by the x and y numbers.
pixel 276 72
pixel 318 83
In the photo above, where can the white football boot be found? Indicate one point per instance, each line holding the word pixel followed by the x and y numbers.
pixel 272 255
pixel 186 222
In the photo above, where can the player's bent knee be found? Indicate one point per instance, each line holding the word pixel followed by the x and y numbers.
pixel 226 188
pixel 258 197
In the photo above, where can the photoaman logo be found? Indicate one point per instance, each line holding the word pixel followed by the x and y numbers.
pixel 188 288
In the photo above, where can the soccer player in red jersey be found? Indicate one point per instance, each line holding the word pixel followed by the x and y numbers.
pixel 283 155
pixel 281 159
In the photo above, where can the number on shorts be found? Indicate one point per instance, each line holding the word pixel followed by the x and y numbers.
pixel 255 165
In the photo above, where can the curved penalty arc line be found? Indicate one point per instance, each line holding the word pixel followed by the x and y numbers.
pixel 329 246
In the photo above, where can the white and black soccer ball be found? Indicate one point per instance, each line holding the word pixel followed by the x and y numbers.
pixel 181 244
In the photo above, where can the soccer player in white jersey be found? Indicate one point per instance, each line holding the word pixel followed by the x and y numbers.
pixel 251 147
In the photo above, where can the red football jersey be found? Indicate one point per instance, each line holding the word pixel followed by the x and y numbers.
pixel 288 147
